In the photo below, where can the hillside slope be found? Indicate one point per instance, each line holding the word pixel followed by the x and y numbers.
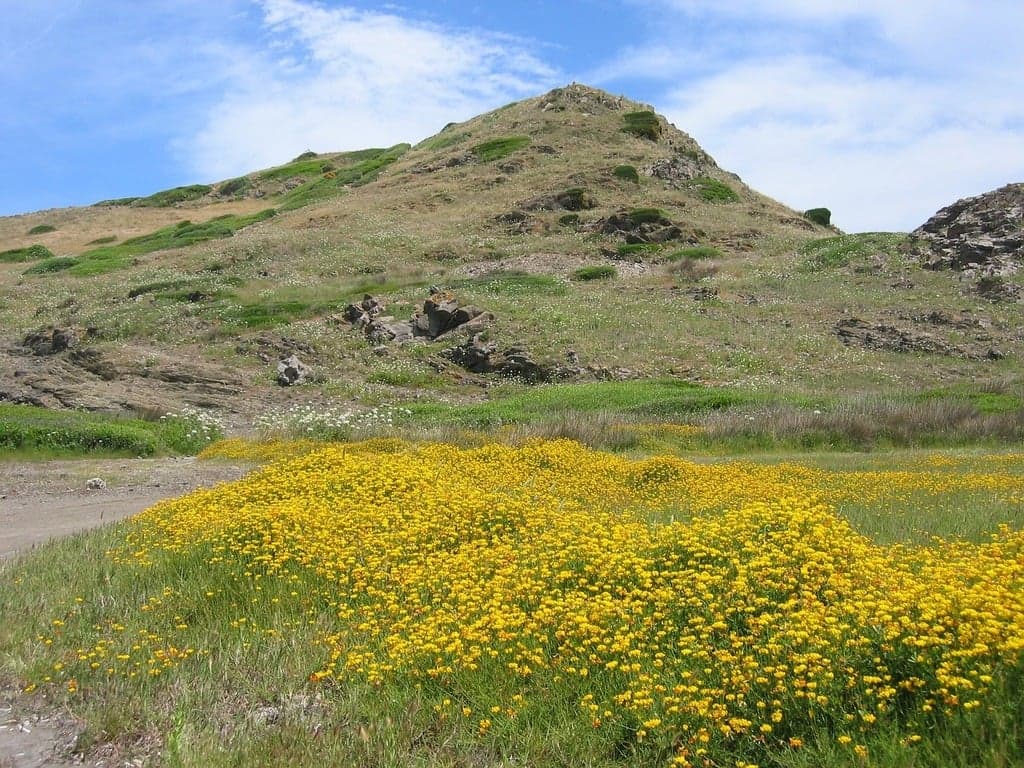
pixel 597 240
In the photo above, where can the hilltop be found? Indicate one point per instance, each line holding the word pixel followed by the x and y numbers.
pixel 588 238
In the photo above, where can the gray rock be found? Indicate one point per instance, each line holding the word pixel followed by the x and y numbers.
pixel 96 484
pixel 291 371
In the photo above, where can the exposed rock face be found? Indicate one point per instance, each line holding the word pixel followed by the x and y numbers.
pixel 855 332
pixel 441 314
pixel 480 356
pixel 50 341
pixel 980 235
pixel 652 227
pixel 575 199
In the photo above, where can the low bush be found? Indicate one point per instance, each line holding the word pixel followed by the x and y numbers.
pixel 626 173
pixel 714 191
pixel 21 255
pixel 595 272
pixel 103 240
pixel 42 229
pixel 170 197
pixel 820 216
pixel 569 220
pixel 636 249
pixel 235 186
pixel 647 216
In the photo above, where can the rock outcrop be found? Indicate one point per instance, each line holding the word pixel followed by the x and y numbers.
pixel 981 235
pixel 441 314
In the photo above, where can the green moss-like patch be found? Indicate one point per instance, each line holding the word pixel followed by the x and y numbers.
pixel 626 173
pixel 595 272
pixel 443 140
pixel 364 170
pixel 21 255
pixel 635 249
pixel 170 197
pixel 647 215
pixel 644 124
pixel 495 149
pixel 42 229
pixel 103 240
pixel 713 190
pixel 569 220
pixel 116 202
pixel 234 187
pixel 55 264
pixel 185 233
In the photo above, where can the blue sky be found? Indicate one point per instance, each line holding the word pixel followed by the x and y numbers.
pixel 881 110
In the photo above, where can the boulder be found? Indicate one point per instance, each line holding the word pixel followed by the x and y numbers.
pixel 50 341
pixel 291 371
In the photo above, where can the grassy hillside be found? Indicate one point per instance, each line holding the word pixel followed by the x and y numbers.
pixel 514 211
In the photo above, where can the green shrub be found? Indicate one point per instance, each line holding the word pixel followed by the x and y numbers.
pixel 495 149
pixel 20 255
pixel 633 249
pixel 170 197
pixel 55 264
pixel 441 141
pixel 626 173
pixel 569 220
pixel 644 124
pixel 234 186
pixel 595 272
pixel 714 191
pixel 307 155
pixel 42 229
pixel 647 216
pixel 698 252
pixel 352 169
pixel 103 240
pixel 820 216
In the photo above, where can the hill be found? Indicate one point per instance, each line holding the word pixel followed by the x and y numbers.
pixel 589 237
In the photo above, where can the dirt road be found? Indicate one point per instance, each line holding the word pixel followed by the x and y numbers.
pixel 40 501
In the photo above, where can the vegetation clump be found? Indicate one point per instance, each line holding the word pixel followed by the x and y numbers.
pixel 644 124
pixel 30 253
pixel 234 187
pixel 53 264
pixel 170 197
pixel 647 216
pixel 626 173
pixel 496 149
pixel 714 191
pixel 595 272
pixel 42 229
pixel 820 216
pixel 840 251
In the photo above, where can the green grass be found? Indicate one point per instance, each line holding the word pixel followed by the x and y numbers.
pixel 512 283
pixel 644 124
pixel 637 249
pixel 54 264
pixel 21 255
pixel 26 430
pixel 713 190
pixel 42 229
pixel 840 251
pixel 234 187
pixel 103 240
pixel 698 252
pixel 442 140
pixel 646 399
pixel 595 272
pixel 269 314
pixel 366 167
pixel 108 258
pixel 495 149
pixel 169 197
pixel 626 173
pixel 116 202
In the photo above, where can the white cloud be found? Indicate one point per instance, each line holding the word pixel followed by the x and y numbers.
pixel 340 78
pixel 882 111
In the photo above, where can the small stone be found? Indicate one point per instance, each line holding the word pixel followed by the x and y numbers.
pixel 96 484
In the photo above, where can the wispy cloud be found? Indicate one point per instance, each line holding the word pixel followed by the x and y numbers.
pixel 882 111
pixel 338 77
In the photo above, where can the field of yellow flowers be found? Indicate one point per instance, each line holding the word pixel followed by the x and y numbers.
pixel 549 604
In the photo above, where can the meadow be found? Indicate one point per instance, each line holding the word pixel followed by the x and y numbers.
pixel 392 603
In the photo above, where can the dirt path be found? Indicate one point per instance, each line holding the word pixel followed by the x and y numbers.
pixel 40 501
